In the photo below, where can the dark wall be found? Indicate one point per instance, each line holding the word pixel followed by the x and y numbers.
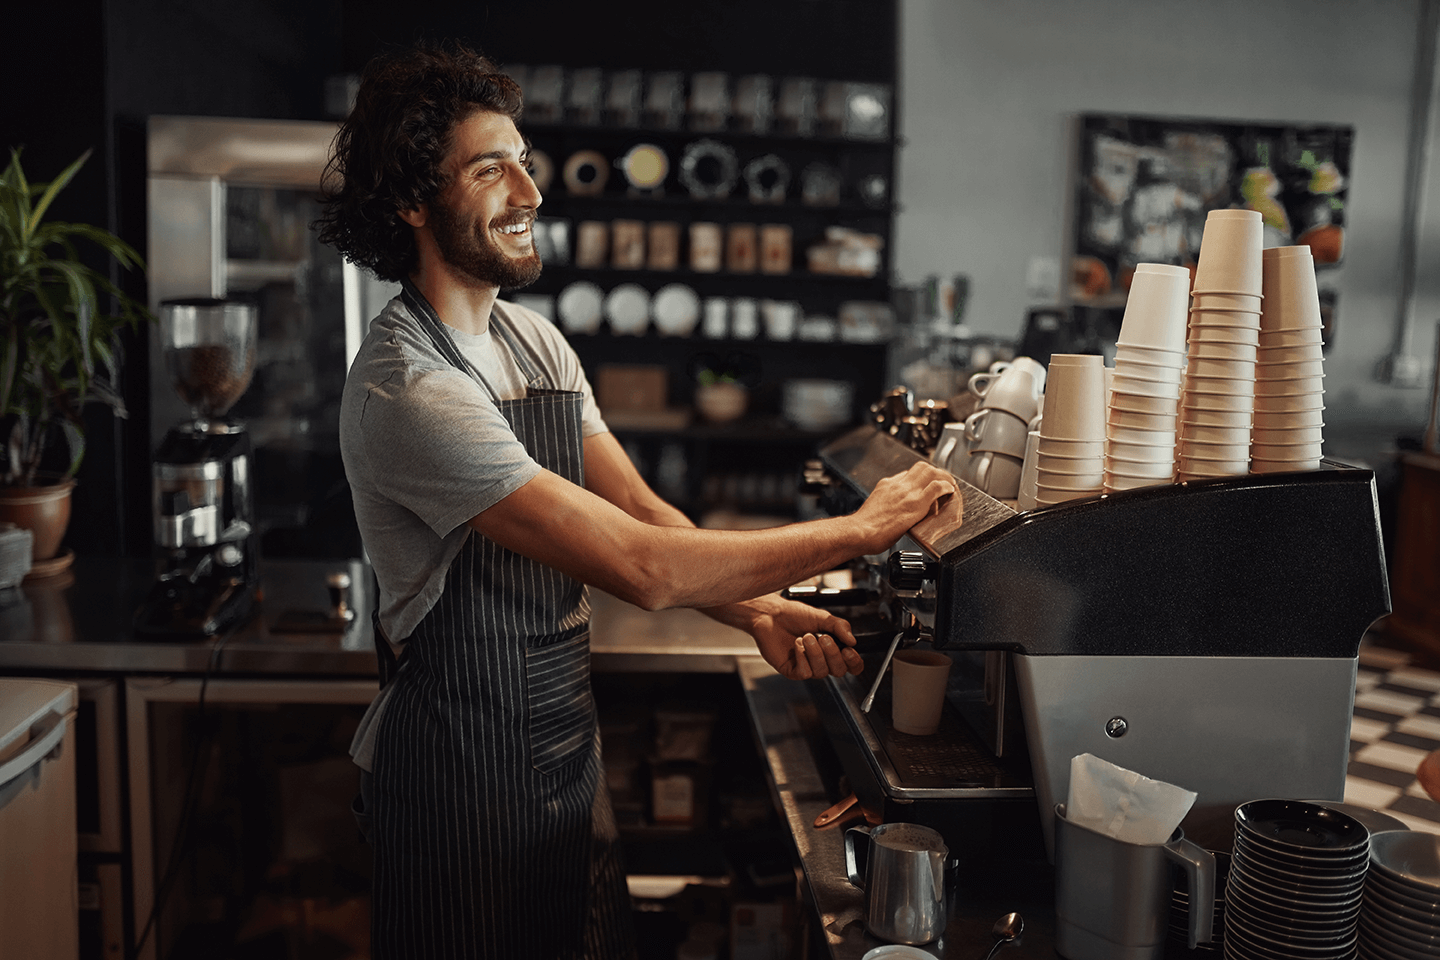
pixel 93 70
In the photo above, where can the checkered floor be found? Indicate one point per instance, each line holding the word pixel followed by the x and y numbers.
pixel 1397 722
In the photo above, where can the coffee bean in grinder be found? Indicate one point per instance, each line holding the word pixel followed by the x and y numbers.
pixel 202 501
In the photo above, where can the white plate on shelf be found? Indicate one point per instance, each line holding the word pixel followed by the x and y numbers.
pixel 580 306
pixel 676 308
pixel 627 307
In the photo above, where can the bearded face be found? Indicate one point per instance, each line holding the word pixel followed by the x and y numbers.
pixel 481 250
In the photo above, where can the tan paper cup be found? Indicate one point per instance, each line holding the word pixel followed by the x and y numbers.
pixel 1233 436
pixel 1117 483
pixel 1030 471
pixel 918 695
pixel 1230 252
pixel 1289 388
pixel 1197 366
pixel 1049 496
pixel 1216 350
pixel 1144 370
pixel 1292 354
pixel 1221 300
pixel 1075 397
pixel 1283 466
pixel 1285 451
pixel 1149 469
pixel 1265 436
pixel 1120 451
pixel 1135 420
pixel 1145 438
pixel 1289 370
pixel 1289 419
pixel 1075 449
pixel 1139 403
pixel 1309 336
pixel 1202 333
pixel 1124 383
pixel 1168 358
pixel 1289 404
pixel 1230 402
pixel 1155 307
pixel 1234 419
pixel 1224 319
pixel 1213 468
pixel 1066 466
pixel 1292 300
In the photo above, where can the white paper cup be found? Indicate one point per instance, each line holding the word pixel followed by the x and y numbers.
pixel 1305 386
pixel 1264 436
pixel 1309 336
pixel 1303 353
pixel 1125 383
pixel 1148 469
pixel 1030 471
pixel 1118 483
pixel 1217 350
pixel 1230 252
pixel 1139 403
pixel 1200 333
pixel 1204 433
pixel 1075 397
pixel 1135 420
pixel 1288 452
pixel 1234 419
pixel 1168 358
pixel 1197 366
pixel 1145 438
pixel 1049 466
pixel 1068 482
pixel 918 692
pixel 1153 372
pixel 1283 466
pixel 1155 307
pixel 1291 299
pixel 1075 449
pixel 1289 419
pixel 1289 369
pixel 1222 300
pixel 1048 497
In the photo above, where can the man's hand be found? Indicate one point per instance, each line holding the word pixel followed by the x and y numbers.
pixel 898 503
pixel 802 642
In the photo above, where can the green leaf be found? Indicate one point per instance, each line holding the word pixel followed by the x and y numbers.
pixel 54 187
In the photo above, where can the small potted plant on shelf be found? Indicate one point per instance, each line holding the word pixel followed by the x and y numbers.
pixel 60 350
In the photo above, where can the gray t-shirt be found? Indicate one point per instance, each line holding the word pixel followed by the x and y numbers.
pixel 426 449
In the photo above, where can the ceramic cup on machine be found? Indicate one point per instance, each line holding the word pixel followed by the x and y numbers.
pixel 997 474
pixel 919 678
pixel 1011 390
pixel 991 428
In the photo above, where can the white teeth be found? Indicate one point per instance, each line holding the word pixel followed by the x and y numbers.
pixel 515 228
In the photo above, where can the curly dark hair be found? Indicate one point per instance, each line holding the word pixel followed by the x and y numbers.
pixel 387 154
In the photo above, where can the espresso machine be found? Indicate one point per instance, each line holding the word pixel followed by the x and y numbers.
pixel 1204 633
pixel 201 495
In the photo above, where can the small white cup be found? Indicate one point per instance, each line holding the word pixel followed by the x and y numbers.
pixel 1075 449
pixel 1286 451
pixel 1073 483
pixel 1075 397
pixel 1292 301
pixel 1012 390
pixel 990 428
pixel 1230 252
pixel 918 691
pixel 1155 307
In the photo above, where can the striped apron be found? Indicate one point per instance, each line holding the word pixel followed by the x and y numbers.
pixel 493 835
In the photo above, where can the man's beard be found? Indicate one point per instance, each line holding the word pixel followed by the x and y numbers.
pixel 471 251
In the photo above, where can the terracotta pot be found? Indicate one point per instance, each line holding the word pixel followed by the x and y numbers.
pixel 44 511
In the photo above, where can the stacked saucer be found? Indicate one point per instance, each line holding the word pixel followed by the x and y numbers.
pixel 1289 380
pixel 1070 452
pixel 1296 882
pixel 1400 918
pixel 1218 402
pixel 1143 403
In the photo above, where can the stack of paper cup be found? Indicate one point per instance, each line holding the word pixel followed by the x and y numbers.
pixel 1070 452
pixel 1030 468
pixel 1218 401
pixel 1289 374
pixel 1142 406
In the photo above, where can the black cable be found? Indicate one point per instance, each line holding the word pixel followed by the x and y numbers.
pixel 190 802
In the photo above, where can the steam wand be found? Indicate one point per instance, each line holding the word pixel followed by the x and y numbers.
pixel 911 632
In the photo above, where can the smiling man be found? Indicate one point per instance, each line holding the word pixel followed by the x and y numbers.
pixel 489 494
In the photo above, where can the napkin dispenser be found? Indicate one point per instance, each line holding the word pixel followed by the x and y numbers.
pixel 1205 634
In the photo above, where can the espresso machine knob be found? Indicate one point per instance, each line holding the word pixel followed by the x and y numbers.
pixel 814 478
pixel 910 569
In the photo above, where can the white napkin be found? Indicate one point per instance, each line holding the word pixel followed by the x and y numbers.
pixel 1122 804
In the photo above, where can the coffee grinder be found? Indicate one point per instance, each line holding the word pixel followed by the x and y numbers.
pixel 201 497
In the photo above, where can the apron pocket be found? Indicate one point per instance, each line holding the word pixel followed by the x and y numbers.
pixel 562 709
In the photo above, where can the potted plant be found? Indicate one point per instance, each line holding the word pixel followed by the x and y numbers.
pixel 60 350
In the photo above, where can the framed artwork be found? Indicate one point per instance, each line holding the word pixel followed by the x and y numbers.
pixel 1146 184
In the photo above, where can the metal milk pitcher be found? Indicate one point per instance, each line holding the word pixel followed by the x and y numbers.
pixel 904 881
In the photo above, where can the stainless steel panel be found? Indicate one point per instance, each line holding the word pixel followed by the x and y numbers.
pixel 1232 729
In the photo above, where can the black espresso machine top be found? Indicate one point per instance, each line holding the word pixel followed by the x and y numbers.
pixel 1265 567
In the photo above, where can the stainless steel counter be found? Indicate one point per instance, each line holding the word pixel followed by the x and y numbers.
pixel 80 622
pixel 798 757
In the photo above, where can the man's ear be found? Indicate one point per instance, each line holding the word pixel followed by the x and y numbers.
pixel 416 217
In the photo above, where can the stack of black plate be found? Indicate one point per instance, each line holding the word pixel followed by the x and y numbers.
pixel 1400 919
pixel 1296 882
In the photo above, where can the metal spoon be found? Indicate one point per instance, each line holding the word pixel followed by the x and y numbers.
pixel 1006 929
pixel 884 665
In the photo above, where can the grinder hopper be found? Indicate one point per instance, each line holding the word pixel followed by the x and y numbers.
pixel 209 351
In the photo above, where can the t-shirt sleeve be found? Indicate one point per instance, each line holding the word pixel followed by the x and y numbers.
pixel 438 446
